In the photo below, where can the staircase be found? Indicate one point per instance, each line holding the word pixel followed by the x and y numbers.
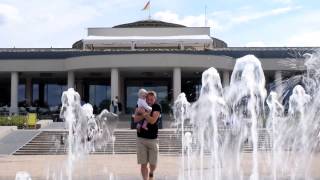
pixel 49 143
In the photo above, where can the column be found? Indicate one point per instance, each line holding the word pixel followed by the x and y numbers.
pixel 176 82
pixel 29 90
pixel 114 83
pixel 41 94
pixel 14 93
pixel 121 93
pixel 226 78
pixel 79 88
pixel 278 80
pixel 181 46
pixel 211 46
pixel 133 45
pixel 70 79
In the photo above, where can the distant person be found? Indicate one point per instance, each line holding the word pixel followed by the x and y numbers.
pixel 119 107
pixel 141 103
pixel 147 140
pixel 114 103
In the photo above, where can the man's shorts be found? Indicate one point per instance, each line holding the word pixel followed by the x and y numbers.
pixel 147 151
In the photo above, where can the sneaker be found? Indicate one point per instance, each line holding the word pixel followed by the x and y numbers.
pixel 151 176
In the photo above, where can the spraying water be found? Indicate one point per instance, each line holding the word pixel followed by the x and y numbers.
pixel 246 96
pixel 215 129
pixel 85 131
pixel 294 133
pixel 23 175
pixel 181 108
pixel 223 121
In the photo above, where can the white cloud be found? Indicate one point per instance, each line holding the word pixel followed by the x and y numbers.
pixel 283 1
pixel 44 24
pixel 222 20
pixel 65 20
pixel 258 15
pixel 256 44
pixel 191 21
pixel 305 39
pixel 59 23
pixel 8 13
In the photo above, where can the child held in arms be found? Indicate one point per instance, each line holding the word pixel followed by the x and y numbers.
pixel 142 95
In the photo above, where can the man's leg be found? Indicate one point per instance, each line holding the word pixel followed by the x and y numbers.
pixel 142 157
pixel 153 156
pixel 152 168
pixel 144 171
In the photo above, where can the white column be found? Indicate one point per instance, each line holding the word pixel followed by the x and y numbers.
pixel 278 79
pixel 176 82
pixel 79 88
pixel 121 92
pixel 14 93
pixel 133 45
pixel 29 90
pixel 211 46
pixel 181 45
pixel 226 78
pixel 70 79
pixel 114 83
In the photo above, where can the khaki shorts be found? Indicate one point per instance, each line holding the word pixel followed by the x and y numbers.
pixel 147 151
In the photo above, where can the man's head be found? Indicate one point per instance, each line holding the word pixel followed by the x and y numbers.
pixel 151 97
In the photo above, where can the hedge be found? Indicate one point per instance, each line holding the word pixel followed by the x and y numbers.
pixel 13 121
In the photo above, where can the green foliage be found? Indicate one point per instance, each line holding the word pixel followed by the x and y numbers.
pixel 12 121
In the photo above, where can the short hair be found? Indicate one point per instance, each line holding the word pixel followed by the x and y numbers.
pixel 152 93
pixel 142 92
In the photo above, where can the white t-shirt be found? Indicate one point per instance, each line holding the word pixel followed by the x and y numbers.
pixel 115 102
pixel 143 103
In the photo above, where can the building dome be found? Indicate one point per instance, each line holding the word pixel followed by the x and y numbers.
pixel 149 34
pixel 148 24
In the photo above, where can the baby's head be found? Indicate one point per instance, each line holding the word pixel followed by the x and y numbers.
pixel 142 93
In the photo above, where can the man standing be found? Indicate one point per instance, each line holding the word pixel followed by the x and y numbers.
pixel 147 140
pixel 114 103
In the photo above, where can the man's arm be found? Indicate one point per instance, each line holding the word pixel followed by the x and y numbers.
pixel 152 119
pixel 138 115
pixel 145 105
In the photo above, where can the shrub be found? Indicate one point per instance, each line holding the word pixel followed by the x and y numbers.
pixel 13 121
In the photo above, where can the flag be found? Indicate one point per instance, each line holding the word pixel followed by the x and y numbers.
pixel 147 6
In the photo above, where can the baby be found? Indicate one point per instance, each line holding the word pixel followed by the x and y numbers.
pixel 142 94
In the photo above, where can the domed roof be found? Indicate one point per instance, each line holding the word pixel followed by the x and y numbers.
pixel 148 24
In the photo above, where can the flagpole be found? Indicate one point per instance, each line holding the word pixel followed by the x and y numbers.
pixel 148 7
pixel 205 16
pixel 149 10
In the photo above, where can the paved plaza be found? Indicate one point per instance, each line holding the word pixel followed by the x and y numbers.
pixel 15 140
pixel 122 167
pixel 91 167
pixel 106 166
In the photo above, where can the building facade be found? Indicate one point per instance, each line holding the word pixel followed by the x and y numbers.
pixel 164 57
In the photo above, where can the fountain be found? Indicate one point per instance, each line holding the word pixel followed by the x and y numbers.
pixel 22 175
pixel 216 129
pixel 85 131
pixel 226 120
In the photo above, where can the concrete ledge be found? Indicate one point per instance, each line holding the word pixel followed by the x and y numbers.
pixel 5 130
pixel 44 123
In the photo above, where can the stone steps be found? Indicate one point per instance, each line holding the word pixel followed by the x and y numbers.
pixel 48 142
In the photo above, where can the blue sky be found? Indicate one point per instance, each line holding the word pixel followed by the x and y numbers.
pixel 59 23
